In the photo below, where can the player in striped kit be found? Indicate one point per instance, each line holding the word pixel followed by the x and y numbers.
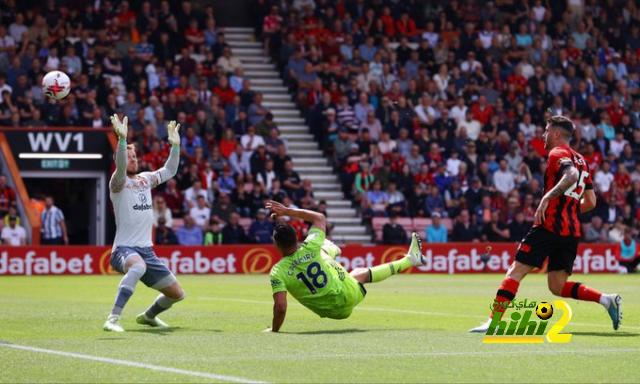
pixel 132 254
pixel 556 230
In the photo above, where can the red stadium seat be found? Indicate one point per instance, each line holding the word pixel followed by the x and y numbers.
pixel 420 224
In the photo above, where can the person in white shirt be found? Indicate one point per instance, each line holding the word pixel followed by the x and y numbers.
pixel 459 110
pixel 469 66
pixel 160 209
pixel 617 145
pixel 13 234
pixel 132 255
pixel 604 178
pixel 472 126
pixel 527 128
pixel 200 213
pixel 17 29
pixel 426 113
pixel 192 193
pixel 503 179
pixel 250 141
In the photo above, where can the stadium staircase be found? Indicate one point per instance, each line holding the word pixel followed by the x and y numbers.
pixel 307 158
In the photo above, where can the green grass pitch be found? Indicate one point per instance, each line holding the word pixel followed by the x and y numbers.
pixel 410 328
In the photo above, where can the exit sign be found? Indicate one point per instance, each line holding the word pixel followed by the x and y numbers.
pixel 54 164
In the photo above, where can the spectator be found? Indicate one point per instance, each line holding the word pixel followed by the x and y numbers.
pixel 213 235
pixel 629 252
pixel 604 178
pixel 596 232
pixel 233 233
pixel 193 193
pixel 227 62
pixel 200 213
pixel 173 198
pixel 164 234
pixel 261 230
pixel 54 228
pixel 13 234
pixel 7 196
pixel 495 230
pixel 189 234
pixel 504 178
pixel 518 228
pixel 393 233
pixel 160 210
pixel 222 209
pixel 436 232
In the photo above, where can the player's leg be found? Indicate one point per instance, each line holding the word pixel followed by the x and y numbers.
pixel 126 261
pixel 560 268
pixel 160 278
pixel 168 296
pixel 537 244
pixel 413 258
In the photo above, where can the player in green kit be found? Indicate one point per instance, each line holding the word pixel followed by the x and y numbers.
pixel 311 274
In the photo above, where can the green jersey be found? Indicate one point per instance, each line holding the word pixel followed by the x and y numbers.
pixel 313 277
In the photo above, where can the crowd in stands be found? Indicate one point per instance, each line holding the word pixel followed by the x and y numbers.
pixel 437 109
pixel 426 109
pixel 156 61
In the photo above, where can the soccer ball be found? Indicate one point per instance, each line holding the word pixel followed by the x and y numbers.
pixel 56 85
pixel 544 310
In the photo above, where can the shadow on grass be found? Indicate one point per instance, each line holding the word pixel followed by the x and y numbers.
pixel 606 334
pixel 339 331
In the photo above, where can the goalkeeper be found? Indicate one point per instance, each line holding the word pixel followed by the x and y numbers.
pixel 132 255
pixel 311 274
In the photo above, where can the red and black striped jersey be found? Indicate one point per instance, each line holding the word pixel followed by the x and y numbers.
pixel 561 216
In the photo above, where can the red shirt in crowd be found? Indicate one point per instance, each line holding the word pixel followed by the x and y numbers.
pixel 483 115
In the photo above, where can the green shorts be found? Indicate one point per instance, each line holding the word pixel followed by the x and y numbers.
pixel 353 293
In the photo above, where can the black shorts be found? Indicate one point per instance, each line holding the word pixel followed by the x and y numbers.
pixel 540 243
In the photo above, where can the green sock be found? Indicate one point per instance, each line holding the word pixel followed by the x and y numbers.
pixel 385 271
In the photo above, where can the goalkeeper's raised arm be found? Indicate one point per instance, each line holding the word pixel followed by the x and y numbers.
pixel 118 178
pixel 170 168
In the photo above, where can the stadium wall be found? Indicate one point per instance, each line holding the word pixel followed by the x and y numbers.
pixel 255 259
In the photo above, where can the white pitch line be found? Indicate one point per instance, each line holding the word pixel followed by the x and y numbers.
pixel 132 364
pixel 622 326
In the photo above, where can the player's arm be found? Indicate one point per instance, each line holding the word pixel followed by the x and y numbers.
pixel 588 201
pixel 317 219
pixel 279 310
pixel 570 176
pixel 170 168
pixel 118 178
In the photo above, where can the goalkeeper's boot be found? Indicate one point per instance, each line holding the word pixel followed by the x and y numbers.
pixel 113 324
pixel 614 309
pixel 415 251
pixel 483 328
pixel 155 322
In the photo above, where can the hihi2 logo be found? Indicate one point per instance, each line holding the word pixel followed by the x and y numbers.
pixel 501 332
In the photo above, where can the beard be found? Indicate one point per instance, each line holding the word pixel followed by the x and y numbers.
pixel 130 173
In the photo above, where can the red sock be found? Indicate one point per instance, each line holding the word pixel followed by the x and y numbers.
pixel 506 293
pixel 580 292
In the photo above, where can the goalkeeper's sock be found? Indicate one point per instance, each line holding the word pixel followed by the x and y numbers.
pixel 385 271
pixel 127 287
pixel 579 291
pixel 506 293
pixel 161 304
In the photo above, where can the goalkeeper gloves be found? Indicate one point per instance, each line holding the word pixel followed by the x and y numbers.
pixel 121 128
pixel 174 137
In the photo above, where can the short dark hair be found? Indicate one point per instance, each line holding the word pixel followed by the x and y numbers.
pixel 285 236
pixel 562 122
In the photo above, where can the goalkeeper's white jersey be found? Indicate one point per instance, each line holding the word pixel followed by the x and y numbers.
pixel 133 207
